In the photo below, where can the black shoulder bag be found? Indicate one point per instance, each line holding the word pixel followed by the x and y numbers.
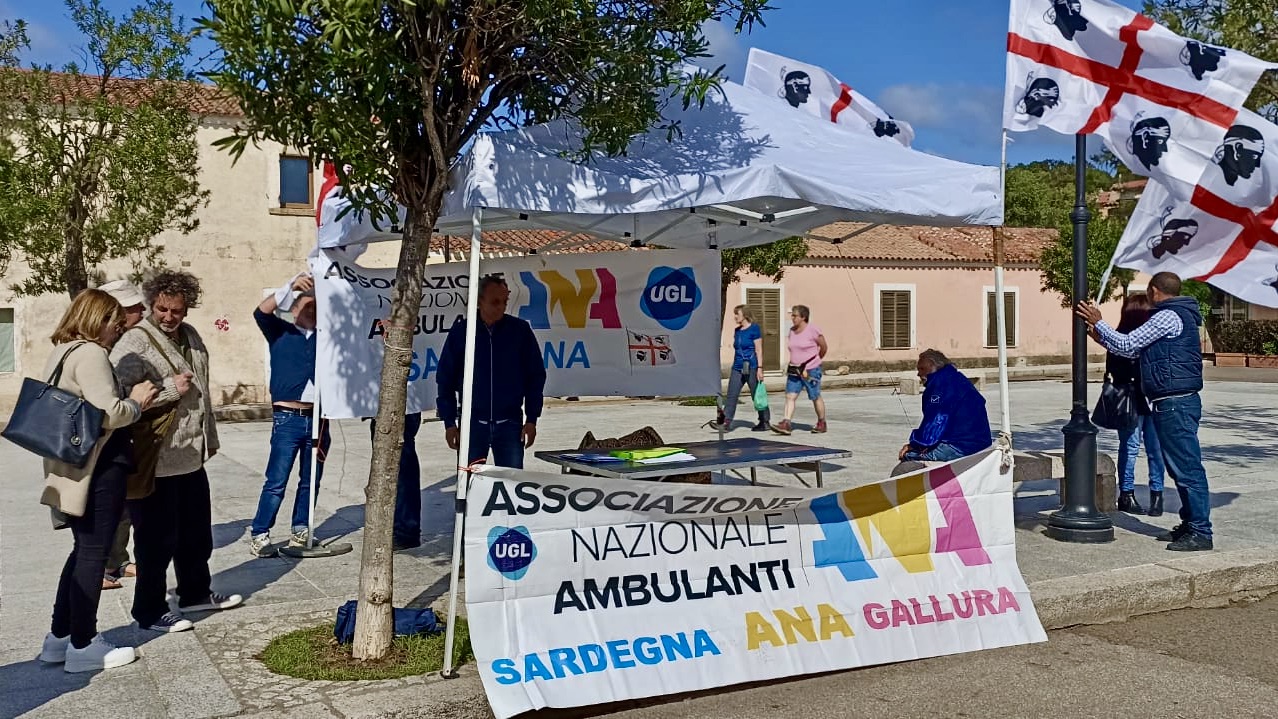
pixel 1116 407
pixel 54 423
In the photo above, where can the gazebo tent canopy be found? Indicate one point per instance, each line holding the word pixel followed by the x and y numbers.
pixel 745 169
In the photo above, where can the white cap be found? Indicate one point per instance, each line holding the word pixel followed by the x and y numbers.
pixel 125 292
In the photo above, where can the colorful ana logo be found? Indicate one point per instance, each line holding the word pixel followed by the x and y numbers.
pixel 865 522
pixel 510 551
pixel 592 297
pixel 671 296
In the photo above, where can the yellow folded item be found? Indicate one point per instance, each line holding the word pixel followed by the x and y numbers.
pixel 638 454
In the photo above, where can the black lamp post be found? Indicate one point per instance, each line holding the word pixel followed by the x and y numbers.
pixel 1078 519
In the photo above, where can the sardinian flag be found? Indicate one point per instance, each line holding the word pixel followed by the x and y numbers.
pixel 817 92
pixel 1161 102
pixel 337 225
pixel 1224 234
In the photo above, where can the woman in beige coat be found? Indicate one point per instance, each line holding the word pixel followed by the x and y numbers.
pixel 89 499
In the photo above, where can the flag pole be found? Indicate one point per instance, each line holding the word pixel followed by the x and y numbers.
pixel 1078 519
pixel 1000 313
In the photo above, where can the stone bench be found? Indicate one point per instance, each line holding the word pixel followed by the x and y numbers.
pixel 1037 465
pixel 911 385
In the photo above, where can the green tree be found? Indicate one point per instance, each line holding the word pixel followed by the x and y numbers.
pixel 1247 25
pixel 767 260
pixel 98 168
pixel 393 90
pixel 13 40
pixel 1041 194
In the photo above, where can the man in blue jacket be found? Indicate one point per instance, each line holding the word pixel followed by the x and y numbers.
pixel 508 381
pixel 954 422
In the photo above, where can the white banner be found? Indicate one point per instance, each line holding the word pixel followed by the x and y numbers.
pixel 815 91
pixel 615 323
pixel 582 590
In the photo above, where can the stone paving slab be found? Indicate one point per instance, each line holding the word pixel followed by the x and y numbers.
pixel 212 672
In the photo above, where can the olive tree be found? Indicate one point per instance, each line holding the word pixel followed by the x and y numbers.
pixel 393 91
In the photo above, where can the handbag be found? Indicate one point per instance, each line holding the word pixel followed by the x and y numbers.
pixel 799 371
pixel 54 423
pixel 149 433
pixel 1116 407
pixel 760 397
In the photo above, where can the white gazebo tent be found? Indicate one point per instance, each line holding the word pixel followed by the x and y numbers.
pixel 743 170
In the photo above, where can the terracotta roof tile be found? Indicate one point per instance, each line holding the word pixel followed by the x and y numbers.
pixel 202 98
pixel 935 244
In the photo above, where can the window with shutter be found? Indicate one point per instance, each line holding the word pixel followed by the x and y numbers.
pixel 765 303
pixel 991 318
pixel 894 319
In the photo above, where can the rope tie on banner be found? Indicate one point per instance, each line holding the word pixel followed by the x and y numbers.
pixel 470 468
pixel 385 325
pixel 1004 446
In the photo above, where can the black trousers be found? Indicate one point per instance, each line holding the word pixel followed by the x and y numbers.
pixel 172 524
pixel 75 606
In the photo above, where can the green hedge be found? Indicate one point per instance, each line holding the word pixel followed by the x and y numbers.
pixel 1257 337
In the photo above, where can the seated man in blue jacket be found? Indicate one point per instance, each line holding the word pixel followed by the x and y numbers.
pixel 508 381
pixel 954 421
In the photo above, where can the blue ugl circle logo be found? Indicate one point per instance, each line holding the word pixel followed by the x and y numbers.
pixel 671 296
pixel 510 551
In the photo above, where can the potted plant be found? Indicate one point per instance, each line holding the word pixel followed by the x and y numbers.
pixel 1267 360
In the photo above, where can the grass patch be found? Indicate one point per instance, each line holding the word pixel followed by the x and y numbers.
pixel 313 653
pixel 709 401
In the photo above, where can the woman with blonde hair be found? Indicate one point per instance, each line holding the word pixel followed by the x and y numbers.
pixel 89 499
pixel 747 367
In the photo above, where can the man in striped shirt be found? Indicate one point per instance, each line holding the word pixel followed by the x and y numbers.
pixel 1171 376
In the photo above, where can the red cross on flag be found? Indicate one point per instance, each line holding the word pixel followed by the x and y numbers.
pixel 1162 102
pixel 815 91
pixel 1224 234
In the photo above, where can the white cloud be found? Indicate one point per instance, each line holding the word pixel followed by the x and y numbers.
pixel 725 49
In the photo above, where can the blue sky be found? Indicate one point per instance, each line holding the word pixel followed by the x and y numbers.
pixel 937 63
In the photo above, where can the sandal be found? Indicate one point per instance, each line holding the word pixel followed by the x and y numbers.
pixel 109 582
pixel 128 569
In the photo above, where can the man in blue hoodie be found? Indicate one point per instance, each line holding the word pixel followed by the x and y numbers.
pixel 508 381
pixel 954 422
pixel 1171 375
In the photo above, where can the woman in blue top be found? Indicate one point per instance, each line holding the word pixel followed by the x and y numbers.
pixel 747 345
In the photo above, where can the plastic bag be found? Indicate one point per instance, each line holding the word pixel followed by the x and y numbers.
pixel 760 397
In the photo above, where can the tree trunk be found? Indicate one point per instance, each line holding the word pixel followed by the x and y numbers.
pixel 74 274
pixel 374 623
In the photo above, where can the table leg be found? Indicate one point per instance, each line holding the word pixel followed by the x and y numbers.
pixel 753 476
pixel 818 474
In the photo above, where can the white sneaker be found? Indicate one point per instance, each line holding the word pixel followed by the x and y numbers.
pixel 259 545
pixel 214 602
pixel 100 654
pixel 54 650
pixel 170 622
pixel 300 538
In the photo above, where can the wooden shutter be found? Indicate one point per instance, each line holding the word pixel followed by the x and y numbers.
pixel 765 303
pixel 894 319
pixel 991 323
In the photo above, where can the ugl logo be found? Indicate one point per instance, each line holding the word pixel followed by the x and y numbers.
pixel 671 296
pixel 510 551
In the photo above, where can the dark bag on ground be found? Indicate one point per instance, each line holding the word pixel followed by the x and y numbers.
pixel 1116 407
pixel 408 622
pixel 54 423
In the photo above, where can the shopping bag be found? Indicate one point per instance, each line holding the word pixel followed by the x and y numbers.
pixel 760 397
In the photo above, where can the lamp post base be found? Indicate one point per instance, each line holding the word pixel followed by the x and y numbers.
pixel 1065 526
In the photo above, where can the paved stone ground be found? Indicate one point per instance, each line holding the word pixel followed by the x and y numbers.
pixel 211 671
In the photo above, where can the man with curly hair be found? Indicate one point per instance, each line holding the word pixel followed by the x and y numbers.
pixel 169 500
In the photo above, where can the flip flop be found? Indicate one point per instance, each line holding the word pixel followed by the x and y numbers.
pixel 129 569
pixel 109 583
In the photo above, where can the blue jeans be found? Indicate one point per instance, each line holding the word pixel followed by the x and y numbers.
pixel 501 443
pixel 408 485
pixel 748 376
pixel 940 453
pixel 1129 449
pixel 794 385
pixel 1176 423
pixel 290 436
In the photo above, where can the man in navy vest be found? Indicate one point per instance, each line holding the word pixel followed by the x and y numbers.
pixel 1171 376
